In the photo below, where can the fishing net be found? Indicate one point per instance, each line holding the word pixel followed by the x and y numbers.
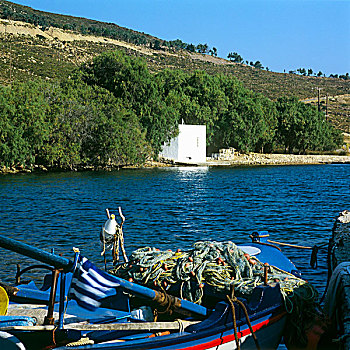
pixel 218 266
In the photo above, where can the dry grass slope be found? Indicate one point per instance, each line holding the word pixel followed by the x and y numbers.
pixel 27 51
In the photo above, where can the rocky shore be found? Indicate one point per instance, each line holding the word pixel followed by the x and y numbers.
pixel 280 159
pixel 238 160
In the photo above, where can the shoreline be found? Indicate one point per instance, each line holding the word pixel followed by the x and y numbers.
pixel 251 159
pixel 281 159
pixel 256 159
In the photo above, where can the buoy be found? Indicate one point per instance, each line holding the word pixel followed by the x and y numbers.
pixel 110 226
pixel 4 302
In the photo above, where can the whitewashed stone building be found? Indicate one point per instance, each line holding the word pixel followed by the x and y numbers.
pixel 188 147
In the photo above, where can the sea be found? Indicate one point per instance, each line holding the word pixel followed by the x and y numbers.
pixel 171 208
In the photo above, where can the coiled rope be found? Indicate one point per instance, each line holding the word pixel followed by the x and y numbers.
pixel 220 265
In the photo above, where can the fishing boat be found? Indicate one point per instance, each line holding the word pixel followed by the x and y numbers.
pixel 84 307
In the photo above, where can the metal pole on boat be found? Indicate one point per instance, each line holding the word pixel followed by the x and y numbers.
pixel 62 299
pixel 35 253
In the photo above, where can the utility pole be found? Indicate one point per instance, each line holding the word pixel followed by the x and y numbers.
pixel 10 64
pixel 10 54
pixel 318 97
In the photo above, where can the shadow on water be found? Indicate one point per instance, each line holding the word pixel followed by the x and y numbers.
pixel 174 207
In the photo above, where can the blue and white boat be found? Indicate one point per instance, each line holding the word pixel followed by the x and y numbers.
pixel 121 314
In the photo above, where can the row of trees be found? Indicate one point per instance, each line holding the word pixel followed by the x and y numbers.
pixel 304 72
pixel 115 111
pixel 66 125
pixel 200 48
pixel 45 20
pixel 237 58
pixel 309 72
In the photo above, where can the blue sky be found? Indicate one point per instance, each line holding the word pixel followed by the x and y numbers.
pixel 281 34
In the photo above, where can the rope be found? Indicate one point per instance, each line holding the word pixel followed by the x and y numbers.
pixel 233 300
pixel 54 337
pixel 218 265
pixel 82 341
pixel 181 325
pixel 234 322
pixel 289 245
pixel 114 241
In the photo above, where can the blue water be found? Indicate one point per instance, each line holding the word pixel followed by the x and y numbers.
pixel 175 207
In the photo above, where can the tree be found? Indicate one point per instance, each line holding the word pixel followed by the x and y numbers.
pixel 24 128
pixel 90 126
pixel 130 80
pixel 319 74
pixel 156 45
pixel 301 127
pixel 191 48
pixel 235 57
pixel 258 65
pixel 249 121
pixel 202 48
pixel 177 44
pixel 309 72
pixel 344 77
pixel 214 52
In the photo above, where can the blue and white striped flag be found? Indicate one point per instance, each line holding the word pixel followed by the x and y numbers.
pixel 90 284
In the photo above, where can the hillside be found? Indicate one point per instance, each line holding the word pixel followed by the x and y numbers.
pixel 54 48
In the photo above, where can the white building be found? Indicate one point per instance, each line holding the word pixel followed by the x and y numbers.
pixel 188 147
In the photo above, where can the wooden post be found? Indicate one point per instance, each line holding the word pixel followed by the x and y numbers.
pixel 266 270
pixel 49 319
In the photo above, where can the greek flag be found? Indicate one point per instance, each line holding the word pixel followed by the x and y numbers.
pixel 90 284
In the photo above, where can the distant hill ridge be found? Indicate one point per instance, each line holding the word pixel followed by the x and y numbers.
pixel 35 43
pixel 9 10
